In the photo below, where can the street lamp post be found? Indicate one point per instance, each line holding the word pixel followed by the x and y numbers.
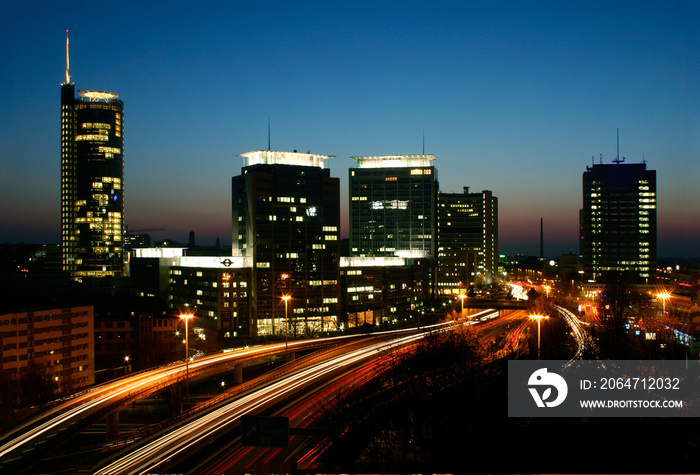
pixel 186 317
pixel 538 318
pixel 286 325
pixel 664 296
pixel 461 312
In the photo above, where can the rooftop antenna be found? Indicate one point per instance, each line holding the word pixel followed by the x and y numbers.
pixel 67 60
pixel 617 158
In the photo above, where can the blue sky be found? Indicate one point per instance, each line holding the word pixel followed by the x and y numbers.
pixel 514 96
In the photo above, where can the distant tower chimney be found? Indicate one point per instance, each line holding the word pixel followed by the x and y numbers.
pixel 541 239
pixel 466 190
pixel 191 244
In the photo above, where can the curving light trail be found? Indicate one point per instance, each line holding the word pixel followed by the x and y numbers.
pixel 584 341
pixel 168 447
pixel 21 441
pixel 87 403
pixel 302 414
pixel 518 291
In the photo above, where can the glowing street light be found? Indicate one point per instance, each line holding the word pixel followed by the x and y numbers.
pixel 461 313
pixel 538 318
pixel 186 317
pixel 663 296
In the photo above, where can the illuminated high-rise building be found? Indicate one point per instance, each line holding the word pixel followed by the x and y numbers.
pixel 618 220
pixel 393 206
pixel 467 240
pixel 92 182
pixel 286 224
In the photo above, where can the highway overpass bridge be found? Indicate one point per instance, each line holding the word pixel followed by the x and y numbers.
pixel 497 304
pixel 31 437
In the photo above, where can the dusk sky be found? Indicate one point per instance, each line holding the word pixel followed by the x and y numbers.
pixel 514 97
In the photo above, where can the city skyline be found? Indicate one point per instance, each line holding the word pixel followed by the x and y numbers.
pixel 516 98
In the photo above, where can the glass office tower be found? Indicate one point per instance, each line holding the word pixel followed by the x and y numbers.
pixel 92 183
pixel 286 218
pixel 467 240
pixel 618 221
pixel 393 206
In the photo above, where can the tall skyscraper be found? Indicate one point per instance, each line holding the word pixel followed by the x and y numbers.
pixel 618 220
pixel 286 221
pixel 92 182
pixel 467 239
pixel 393 206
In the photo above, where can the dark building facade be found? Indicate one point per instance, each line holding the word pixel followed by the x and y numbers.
pixel 467 240
pixel 217 290
pixel 393 206
pixel 286 221
pixel 618 221
pixel 136 340
pixel 92 183
pixel 194 290
pixel 59 339
pixel 381 289
pixel 235 317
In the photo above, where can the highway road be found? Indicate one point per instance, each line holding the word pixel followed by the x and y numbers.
pixel 499 334
pixel 305 448
pixel 173 451
pixel 585 344
pixel 164 453
pixel 30 437
pixel 305 443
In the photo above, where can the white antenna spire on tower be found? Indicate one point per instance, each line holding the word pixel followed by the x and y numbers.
pixel 67 60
